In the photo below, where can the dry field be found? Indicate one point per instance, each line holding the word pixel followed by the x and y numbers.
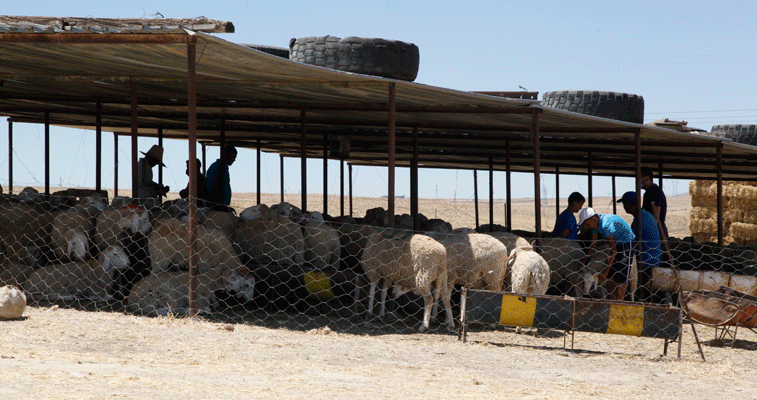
pixel 63 352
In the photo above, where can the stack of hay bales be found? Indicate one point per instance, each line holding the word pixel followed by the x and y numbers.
pixel 739 212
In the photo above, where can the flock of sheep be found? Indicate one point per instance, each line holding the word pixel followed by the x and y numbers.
pixel 124 252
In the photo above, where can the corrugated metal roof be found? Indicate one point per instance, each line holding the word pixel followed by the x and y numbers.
pixel 256 96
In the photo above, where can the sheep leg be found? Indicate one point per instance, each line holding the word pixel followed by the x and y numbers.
pixel 428 300
pixel 384 290
pixel 371 296
pixel 448 320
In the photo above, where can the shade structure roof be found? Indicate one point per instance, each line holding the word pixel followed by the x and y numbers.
pixel 77 73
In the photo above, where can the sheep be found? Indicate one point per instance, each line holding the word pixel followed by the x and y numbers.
pixel 474 260
pixel 68 281
pixel 112 222
pixel 376 217
pixel 564 258
pixel 23 225
pixel 225 221
pixel 70 233
pixel 409 262
pixel 126 263
pixel 167 292
pixel 594 268
pixel 168 245
pixel 14 273
pixel 269 238
pixel 12 303
pixel 529 274
pixel 322 245
pixel 438 225
pixel 510 240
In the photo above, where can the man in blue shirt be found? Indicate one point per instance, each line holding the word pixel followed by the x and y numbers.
pixel 650 245
pixel 565 225
pixel 616 233
pixel 219 183
pixel 653 197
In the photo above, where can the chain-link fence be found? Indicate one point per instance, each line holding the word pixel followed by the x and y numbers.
pixel 281 266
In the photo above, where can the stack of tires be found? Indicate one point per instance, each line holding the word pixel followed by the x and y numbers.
pixel 612 105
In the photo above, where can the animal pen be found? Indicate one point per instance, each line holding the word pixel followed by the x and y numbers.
pixel 172 79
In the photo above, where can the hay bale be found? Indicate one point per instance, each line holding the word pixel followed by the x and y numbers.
pixel 12 303
pixel 744 233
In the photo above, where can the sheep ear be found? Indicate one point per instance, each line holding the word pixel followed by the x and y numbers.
pixel 69 248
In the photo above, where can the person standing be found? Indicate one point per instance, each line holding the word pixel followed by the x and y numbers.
pixel 653 194
pixel 146 187
pixel 202 186
pixel 650 245
pixel 616 233
pixel 218 180
pixel 565 225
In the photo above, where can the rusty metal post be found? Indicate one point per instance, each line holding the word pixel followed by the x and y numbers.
pixel 115 164
pixel 392 133
pixel 325 173
pixel 491 192
pixel 134 144
pixel 281 175
pixel 614 203
pixel 719 149
pixel 303 161
pixel 10 157
pixel 47 152
pixel 160 166
pixel 192 133
pixel 414 181
pixel 204 163
pixel 591 184
pixel 98 145
pixel 537 173
pixel 475 194
pixel 557 191
pixel 508 197
pixel 258 172
pixel 637 144
pixel 659 175
pixel 341 186
pixel 222 133
pixel 349 181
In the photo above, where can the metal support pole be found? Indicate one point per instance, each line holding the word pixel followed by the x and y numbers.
pixel 160 166
pixel 537 174
pixel 325 173
pixel 392 134
pixel 414 181
pixel 192 133
pixel 491 192
pixel 222 139
pixel 281 175
pixel 10 157
pixel 508 197
pixel 719 149
pixel 475 194
pixel 204 154
pixel 591 184
pixel 349 181
pixel 614 202
pixel 303 161
pixel 341 186
pixel 637 137
pixel 557 192
pixel 47 152
pixel 659 175
pixel 115 164
pixel 258 171
pixel 134 144
pixel 98 145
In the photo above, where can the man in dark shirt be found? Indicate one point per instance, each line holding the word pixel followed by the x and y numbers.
pixel 653 194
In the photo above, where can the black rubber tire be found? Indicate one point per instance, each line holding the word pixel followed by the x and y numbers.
pixel 282 52
pixel 746 134
pixel 367 56
pixel 612 105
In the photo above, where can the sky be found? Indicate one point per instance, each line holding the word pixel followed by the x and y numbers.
pixel 692 61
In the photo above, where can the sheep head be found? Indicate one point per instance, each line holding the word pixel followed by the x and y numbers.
pixel 114 257
pixel 78 246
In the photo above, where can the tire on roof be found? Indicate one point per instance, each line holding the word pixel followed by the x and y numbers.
pixel 746 134
pixel 612 105
pixel 282 52
pixel 368 56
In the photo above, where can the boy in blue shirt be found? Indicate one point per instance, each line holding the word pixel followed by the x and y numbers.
pixel 616 233
pixel 565 225
pixel 650 244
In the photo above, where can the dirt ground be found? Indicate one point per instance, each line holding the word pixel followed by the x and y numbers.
pixel 59 351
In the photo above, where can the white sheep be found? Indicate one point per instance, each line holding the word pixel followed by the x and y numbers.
pixel 322 245
pixel 225 221
pixel 269 238
pixel 68 281
pixel 168 292
pixel 168 245
pixel 474 260
pixel 529 273
pixel 409 262
pixel 114 223
pixel 70 233
pixel 510 240
pixel 114 258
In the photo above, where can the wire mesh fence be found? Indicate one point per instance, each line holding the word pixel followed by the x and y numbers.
pixel 281 266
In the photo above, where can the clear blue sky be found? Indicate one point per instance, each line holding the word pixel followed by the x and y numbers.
pixel 693 61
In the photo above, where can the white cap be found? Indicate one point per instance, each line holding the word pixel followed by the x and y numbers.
pixel 585 214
